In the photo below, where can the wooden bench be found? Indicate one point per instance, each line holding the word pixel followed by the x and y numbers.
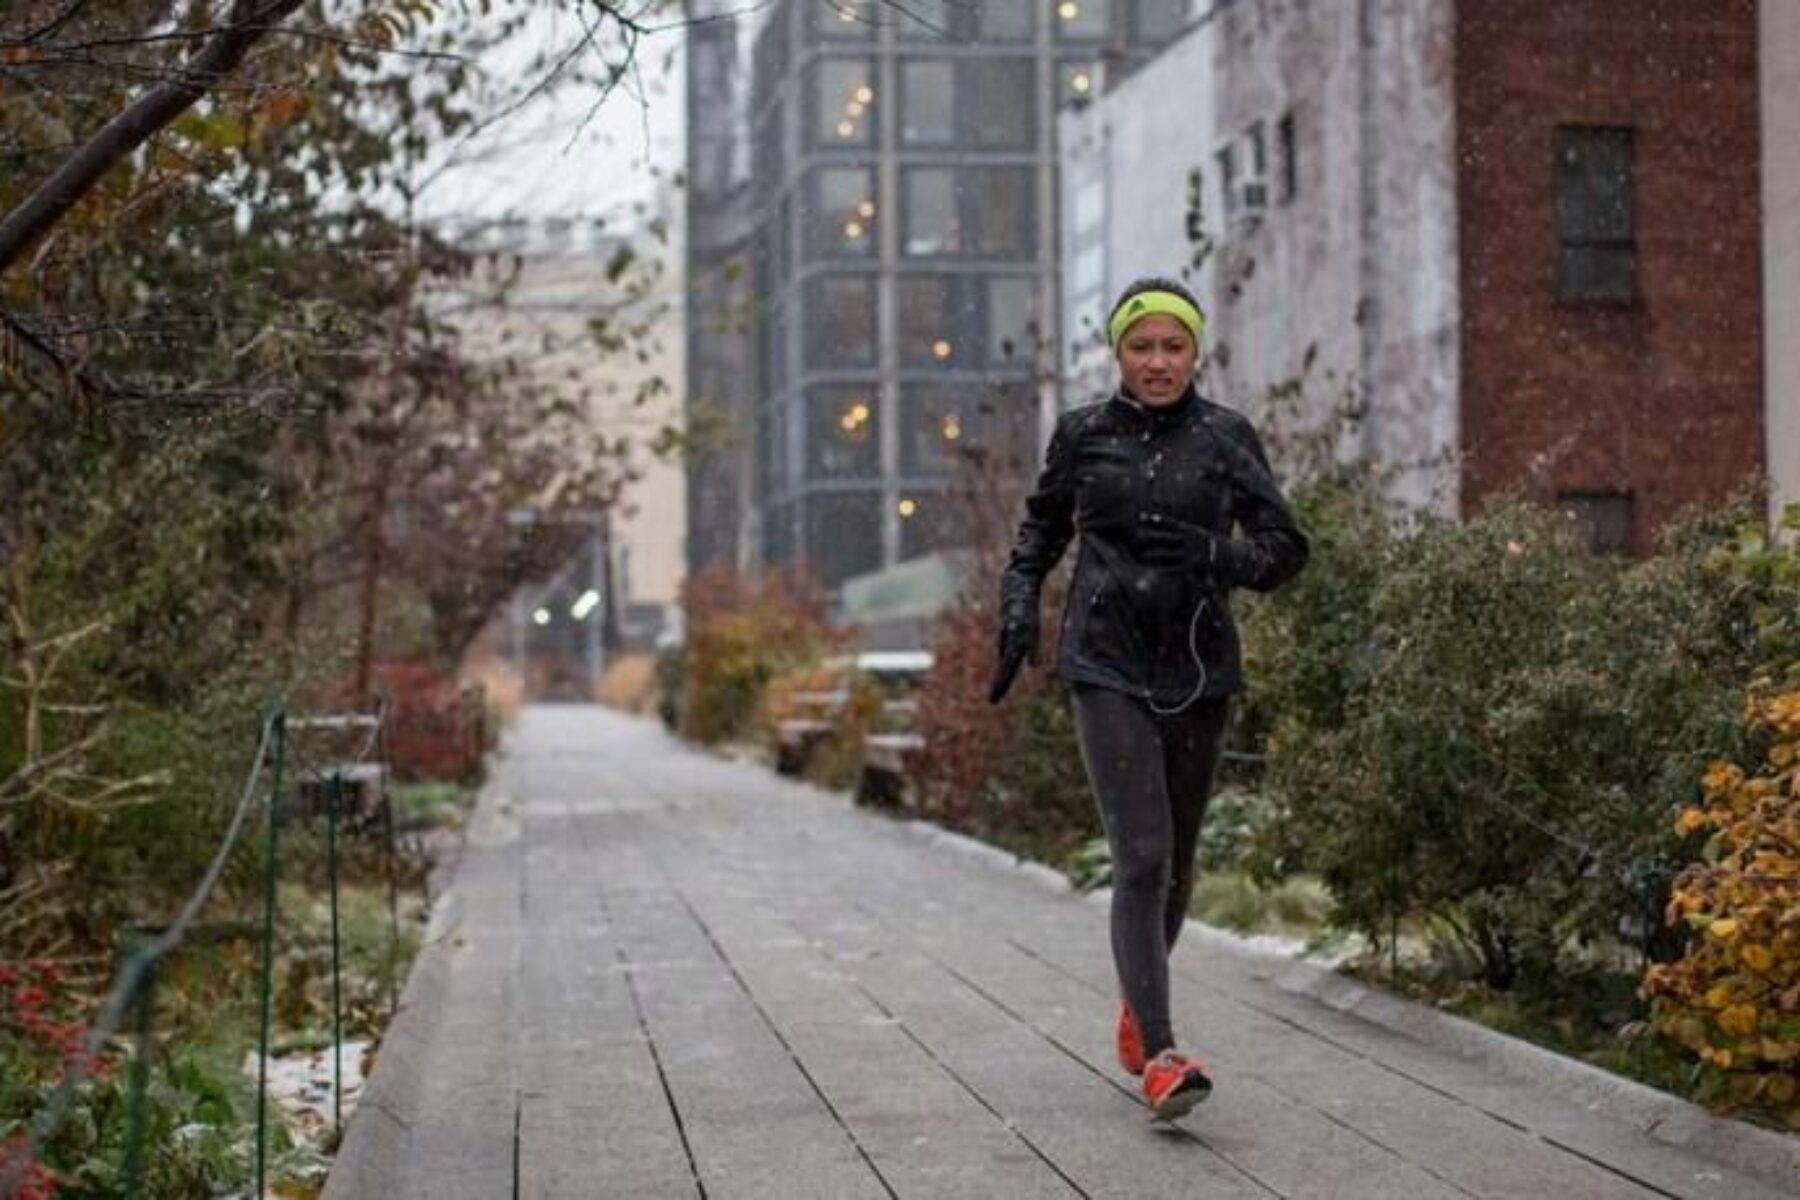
pixel 359 800
pixel 884 779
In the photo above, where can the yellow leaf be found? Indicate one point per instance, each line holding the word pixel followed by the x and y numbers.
pixel 1724 927
pixel 1719 777
pixel 1758 958
pixel 1691 820
pixel 1739 1020
pixel 1718 996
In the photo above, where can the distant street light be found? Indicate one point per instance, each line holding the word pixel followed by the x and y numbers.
pixel 541 616
pixel 589 600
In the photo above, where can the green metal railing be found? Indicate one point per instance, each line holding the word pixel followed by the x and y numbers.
pixel 130 1005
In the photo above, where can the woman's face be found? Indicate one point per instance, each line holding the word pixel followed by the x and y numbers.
pixel 1156 358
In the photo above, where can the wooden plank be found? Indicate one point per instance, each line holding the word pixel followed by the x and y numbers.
pixel 925 1133
pixel 754 1122
pixel 594 1119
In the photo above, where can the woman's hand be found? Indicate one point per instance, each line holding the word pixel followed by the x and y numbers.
pixel 1163 541
pixel 1018 642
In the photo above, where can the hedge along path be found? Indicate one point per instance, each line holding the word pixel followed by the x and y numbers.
pixel 719 983
pixel 132 998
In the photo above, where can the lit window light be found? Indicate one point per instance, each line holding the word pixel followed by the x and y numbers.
pixel 853 231
pixel 866 210
pixel 846 129
pixel 854 109
pixel 1081 83
pixel 942 349
pixel 845 15
pixel 908 507
pixel 1068 10
pixel 865 94
pixel 952 428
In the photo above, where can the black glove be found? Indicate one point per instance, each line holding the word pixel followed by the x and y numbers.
pixel 1163 541
pixel 1018 642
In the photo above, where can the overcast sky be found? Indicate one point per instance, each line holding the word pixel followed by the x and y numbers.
pixel 559 156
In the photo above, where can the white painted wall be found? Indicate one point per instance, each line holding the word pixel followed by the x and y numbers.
pixel 1780 81
pixel 1285 292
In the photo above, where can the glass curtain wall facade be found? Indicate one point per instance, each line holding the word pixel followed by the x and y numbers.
pixel 902 259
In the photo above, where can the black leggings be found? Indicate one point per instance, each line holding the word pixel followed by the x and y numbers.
pixel 1152 777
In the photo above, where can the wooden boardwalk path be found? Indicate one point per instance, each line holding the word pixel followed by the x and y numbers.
pixel 664 975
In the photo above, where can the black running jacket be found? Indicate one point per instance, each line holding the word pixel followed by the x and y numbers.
pixel 1165 635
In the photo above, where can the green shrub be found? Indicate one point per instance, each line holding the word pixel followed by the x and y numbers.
pixel 742 631
pixel 1487 731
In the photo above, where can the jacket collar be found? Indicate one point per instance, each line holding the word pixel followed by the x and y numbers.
pixel 1165 417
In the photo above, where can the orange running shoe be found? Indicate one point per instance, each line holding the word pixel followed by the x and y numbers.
pixel 1130 1041
pixel 1173 1084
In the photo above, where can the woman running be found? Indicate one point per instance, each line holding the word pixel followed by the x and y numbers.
pixel 1175 504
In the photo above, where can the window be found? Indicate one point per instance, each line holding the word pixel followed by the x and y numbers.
pixel 1081 20
pixel 984 212
pixel 843 535
pixel 839 219
pixel 934 321
pixel 928 523
pixel 988 103
pixel 927 102
pixel 1243 173
pixel 840 321
pixel 1001 213
pixel 1158 20
pixel 936 420
pixel 1011 326
pixel 1077 82
pixel 1088 274
pixel 1604 519
pixel 1089 215
pixel 843 102
pixel 842 438
pixel 1006 20
pixel 1287 161
pixel 845 20
pixel 1595 225
pixel 933 225
pixel 967 321
pixel 1256 152
pixel 1000 103
pixel 1227 159
pixel 928 21
pixel 940 421
pixel 966 21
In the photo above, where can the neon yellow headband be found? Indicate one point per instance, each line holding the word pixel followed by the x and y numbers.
pixel 1146 304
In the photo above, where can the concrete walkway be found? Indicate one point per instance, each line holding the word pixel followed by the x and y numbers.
pixel 660 974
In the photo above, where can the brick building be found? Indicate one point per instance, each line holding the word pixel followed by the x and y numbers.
pixel 1523 236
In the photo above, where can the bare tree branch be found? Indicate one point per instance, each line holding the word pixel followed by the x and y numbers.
pixel 250 22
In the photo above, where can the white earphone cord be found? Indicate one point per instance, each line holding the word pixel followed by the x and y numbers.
pixel 1194 652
